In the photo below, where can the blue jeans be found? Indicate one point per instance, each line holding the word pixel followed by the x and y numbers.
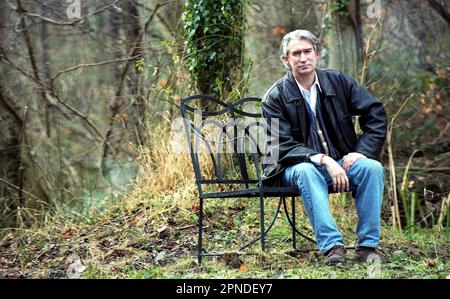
pixel 366 177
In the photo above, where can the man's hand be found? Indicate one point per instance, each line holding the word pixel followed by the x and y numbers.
pixel 350 158
pixel 337 173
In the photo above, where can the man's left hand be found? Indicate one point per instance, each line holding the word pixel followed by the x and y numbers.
pixel 350 158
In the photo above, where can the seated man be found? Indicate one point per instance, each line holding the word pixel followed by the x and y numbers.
pixel 309 115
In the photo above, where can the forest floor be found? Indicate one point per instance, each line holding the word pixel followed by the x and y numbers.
pixel 141 242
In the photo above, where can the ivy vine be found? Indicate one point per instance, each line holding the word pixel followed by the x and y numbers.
pixel 213 35
pixel 340 7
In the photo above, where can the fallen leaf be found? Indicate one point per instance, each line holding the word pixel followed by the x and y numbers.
pixel 161 255
pixel 195 208
pixel 75 268
pixel 232 260
pixel 67 234
pixel 431 263
pixel 13 247
pixel 161 229
pixel 243 267
pixel 73 258
pixel 133 219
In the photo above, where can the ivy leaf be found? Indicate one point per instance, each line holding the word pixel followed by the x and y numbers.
pixel 256 7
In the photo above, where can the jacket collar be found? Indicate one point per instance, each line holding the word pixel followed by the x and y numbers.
pixel 316 83
pixel 293 92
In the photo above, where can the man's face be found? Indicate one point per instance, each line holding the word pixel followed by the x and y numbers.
pixel 301 57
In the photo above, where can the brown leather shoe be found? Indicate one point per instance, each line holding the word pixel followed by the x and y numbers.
pixel 335 255
pixel 364 254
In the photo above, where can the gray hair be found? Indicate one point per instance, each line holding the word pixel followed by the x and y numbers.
pixel 297 35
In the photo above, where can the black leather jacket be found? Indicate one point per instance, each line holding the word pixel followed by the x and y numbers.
pixel 341 98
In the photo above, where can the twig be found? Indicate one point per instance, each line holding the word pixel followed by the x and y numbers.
pixel 17 187
pixel 444 207
pixel 75 67
pixel 186 226
pixel 392 165
pixel 133 52
pixel 23 25
pixel 434 169
pixel 53 95
pixel 10 107
pixel 81 20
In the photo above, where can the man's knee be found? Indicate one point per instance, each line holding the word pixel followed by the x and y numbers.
pixel 370 166
pixel 304 168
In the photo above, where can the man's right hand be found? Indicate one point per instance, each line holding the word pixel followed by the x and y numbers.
pixel 337 174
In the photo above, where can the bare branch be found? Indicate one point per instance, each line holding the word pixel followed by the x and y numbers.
pixel 18 188
pixel 75 67
pixel 52 95
pixel 133 52
pixel 76 112
pixel 23 72
pixel 81 20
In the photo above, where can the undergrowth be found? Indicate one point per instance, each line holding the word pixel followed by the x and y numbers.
pixel 152 233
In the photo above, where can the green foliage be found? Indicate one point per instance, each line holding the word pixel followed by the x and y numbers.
pixel 213 33
pixel 340 7
pixel 139 64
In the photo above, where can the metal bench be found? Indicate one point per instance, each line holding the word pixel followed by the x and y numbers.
pixel 229 136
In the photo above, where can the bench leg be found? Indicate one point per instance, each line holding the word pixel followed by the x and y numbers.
pixel 261 219
pixel 200 233
pixel 293 222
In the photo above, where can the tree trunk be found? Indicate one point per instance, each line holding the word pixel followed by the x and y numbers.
pixel 32 55
pixel 170 19
pixel 137 111
pixel 126 118
pixel 43 32
pixel 343 43
pixel 114 25
pixel 113 137
pixel 215 51
pixel 10 124
pixel 441 8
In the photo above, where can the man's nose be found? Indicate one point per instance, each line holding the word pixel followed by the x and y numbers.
pixel 302 57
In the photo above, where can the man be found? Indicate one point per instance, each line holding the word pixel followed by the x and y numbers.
pixel 309 113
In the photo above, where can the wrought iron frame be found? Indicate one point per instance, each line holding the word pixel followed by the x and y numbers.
pixel 194 132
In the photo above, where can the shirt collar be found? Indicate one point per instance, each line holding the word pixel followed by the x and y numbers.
pixel 316 82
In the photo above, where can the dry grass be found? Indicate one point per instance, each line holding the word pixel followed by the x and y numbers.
pixel 152 233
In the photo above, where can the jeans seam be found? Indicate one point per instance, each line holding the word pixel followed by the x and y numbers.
pixel 303 192
pixel 309 201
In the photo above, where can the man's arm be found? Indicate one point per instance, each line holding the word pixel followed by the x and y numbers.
pixel 290 151
pixel 372 120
